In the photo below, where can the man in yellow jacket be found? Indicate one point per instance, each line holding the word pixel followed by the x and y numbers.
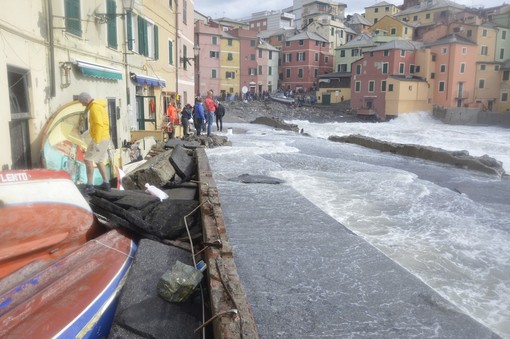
pixel 97 150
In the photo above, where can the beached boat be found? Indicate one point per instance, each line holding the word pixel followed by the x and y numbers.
pixel 282 98
pixel 60 270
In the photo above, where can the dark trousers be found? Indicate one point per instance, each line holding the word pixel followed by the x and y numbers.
pixel 219 123
pixel 185 125
pixel 199 126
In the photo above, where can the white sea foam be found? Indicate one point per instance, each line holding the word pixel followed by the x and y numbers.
pixel 436 234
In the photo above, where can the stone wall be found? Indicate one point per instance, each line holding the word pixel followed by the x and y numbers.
pixel 471 116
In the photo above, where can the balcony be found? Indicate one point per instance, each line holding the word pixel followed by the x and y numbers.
pixel 462 95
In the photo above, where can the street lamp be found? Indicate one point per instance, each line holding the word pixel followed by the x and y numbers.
pixel 103 18
pixel 185 60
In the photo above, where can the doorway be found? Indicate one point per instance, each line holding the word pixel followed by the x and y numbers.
pixel 146 112
pixel 20 115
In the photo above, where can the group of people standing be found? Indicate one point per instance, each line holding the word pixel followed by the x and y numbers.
pixel 203 114
pixel 206 112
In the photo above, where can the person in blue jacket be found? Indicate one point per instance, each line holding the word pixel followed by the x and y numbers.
pixel 199 114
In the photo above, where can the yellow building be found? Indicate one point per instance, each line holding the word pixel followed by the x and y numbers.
pixel 155 78
pixel 230 77
pixel 412 94
pixel 406 96
pixel 125 52
pixel 378 11
pixel 389 26
pixel 488 75
pixel 334 88
pixel 504 100
pixel 430 12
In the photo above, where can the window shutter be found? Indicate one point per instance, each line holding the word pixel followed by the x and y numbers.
pixel 185 55
pixel 111 28
pixel 143 47
pixel 170 53
pixel 156 43
pixel 129 31
pixel 73 16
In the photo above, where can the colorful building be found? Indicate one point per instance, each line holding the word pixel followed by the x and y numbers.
pixel 379 10
pixel 270 20
pixel 389 26
pixel 115 53
pixel 230 59
pixel 430 12
pixel 304 57
pixel 185 52
pixel 504 100
pixel 208 36
pixel 386 74
pixel 249 55
pixel 455 60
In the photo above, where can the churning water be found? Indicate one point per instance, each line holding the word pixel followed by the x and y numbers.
pixel 447 226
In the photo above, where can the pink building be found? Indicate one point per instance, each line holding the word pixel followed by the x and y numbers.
pixel 249 59
pixel 208 38
pixel 382 66
pixel 455 60
pixel 304 57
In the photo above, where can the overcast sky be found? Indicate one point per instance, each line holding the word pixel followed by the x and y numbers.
pixel 239 9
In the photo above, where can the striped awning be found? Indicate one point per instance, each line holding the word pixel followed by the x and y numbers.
pixel 147 80
pixel 99 71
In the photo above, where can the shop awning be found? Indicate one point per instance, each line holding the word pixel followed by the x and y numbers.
pixel 147 80
pixel 99 71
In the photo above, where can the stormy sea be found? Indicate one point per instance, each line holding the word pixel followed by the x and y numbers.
pixel 448 227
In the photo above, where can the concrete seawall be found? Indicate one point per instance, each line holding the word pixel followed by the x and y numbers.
pixel 471 116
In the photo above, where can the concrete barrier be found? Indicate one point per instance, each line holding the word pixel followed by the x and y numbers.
pixel 225 288
pixel 471 116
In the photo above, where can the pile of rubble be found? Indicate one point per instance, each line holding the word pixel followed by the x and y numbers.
pixel 240 111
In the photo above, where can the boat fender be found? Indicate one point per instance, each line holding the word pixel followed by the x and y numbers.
pixel 153 190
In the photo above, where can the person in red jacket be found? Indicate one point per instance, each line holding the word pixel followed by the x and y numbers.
pixel 210 108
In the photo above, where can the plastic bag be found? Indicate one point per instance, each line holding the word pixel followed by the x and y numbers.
pixel 178 283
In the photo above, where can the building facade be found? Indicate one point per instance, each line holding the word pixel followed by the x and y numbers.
pixel 208 38
pixel 230 67
pixel 384 72
pixel 379 10
pixel 304 57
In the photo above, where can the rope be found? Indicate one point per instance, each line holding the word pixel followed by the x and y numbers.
pixel 114 249
pixel 193 256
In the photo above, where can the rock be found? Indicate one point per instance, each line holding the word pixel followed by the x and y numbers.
pixel 276 123
pixel 182 193
pixel 183 162
pixel 156 171
pixel 172 143
pixel 177 284
pixel 257 179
